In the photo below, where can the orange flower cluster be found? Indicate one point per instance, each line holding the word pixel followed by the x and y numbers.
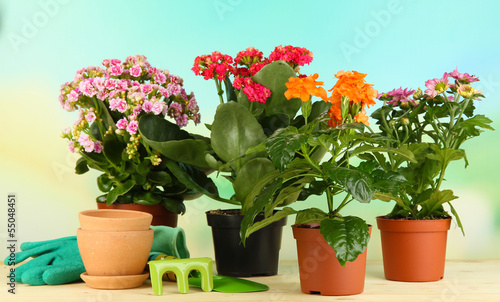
pixel 304 88
pixel 351 84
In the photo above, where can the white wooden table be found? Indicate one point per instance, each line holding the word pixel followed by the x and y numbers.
pixel 464 280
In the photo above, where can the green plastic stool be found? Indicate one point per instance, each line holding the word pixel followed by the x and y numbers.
pixel 181 268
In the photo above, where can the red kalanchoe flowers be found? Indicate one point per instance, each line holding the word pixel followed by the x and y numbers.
pixel 215 65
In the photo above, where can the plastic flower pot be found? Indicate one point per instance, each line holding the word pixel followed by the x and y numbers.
pixel 114 246
pixel 161 216
pixel 260 255
pixel 319 269
pixel 413 250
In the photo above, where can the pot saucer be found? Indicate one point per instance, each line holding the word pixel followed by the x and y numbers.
pixel 114 282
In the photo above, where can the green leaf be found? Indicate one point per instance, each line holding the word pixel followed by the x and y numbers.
pixel 274 122
pixel 195 181
pixel 81 166
pixel 156 128
pixel 392 182
pixel 404 153
pixel 231 96
pixel 436 200
pixel 104 183
pixel 318 109
pixel 258 205
pixel 159 177
pixel 459 223
pixel 249 175
pixel 355 182
pixel 310 216
pixel 147 198
pixel 112 150
pixel 277 216
pixel 172 142
pixel 347 236
pixel 119 190
pixel 472 125
pixel 445 156
pixel 174 205
pixel 282 146
pixel 274 76
pixel 316 187
pixel 234 130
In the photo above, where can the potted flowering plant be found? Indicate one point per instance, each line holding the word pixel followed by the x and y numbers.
pixel 252 107
pixel 331 247
pixel 122 108
pixel 433 124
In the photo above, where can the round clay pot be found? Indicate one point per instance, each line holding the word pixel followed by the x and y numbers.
pixel 114 253
pixel 114 243
pixel 319 269
pixel 413 250
pixel 161 216
pixel 114 220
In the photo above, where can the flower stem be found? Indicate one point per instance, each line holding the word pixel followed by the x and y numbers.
pixel 220 92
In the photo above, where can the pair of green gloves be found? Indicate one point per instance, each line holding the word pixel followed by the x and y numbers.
pixel 58 261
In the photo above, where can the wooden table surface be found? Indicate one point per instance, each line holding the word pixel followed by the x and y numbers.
pixel 466 280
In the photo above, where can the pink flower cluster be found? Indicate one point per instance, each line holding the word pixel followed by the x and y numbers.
pixel 438 86
pixel 246 64
pixel 399 97
pixel 129 88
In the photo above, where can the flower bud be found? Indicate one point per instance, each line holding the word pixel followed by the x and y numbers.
pixel 405 121
pixel 418 94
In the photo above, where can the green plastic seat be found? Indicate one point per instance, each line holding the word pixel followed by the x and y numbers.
pixel 181 268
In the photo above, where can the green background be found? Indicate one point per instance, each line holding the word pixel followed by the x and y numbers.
pixel 397 43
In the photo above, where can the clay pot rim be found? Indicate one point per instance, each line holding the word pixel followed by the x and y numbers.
pixel 114 220
pixel 425 225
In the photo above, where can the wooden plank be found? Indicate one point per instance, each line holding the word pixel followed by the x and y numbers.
pixel 464 281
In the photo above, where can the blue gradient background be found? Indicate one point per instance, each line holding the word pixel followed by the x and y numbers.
pixel 397 43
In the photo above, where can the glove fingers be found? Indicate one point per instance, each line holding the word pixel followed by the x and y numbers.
pixel 33 264
pixel 34 276
pixel 53 242
pixel 62 274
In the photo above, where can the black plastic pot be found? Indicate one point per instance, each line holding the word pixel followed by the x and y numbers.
pixel 259 257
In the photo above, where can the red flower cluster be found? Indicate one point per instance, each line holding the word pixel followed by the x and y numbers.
pixel 215 65
pixel 246 64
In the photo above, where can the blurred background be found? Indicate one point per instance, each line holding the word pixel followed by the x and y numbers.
pixel 397 43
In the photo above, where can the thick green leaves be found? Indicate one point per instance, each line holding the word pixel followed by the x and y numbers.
pixel 258 205
pixel 234 130
pixel 249 175
pixel 81 166
pixel 283 144
pixel 119 190
pixel 274 76
pixel 355 182
pixel 436 200
pixel 310 216
pixel 278 215
pixel 348 236
pixel 172 142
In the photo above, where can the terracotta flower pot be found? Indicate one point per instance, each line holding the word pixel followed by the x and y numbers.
pixel 321 272
pixel 114 245
pixel 413 250
pixel 161 216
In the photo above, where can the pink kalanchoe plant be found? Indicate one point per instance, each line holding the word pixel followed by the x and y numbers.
pixel 123 130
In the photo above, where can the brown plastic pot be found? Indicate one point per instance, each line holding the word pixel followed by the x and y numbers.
pixel 116 244
pixel 413 250
pixel 161 216
pixel 320 271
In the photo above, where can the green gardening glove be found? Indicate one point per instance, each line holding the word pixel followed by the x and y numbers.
pixel 55 261
pixel 58 261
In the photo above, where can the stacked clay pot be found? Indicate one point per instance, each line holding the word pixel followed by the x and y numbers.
pixel 114 245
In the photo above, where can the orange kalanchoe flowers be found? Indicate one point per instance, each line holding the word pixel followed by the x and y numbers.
pixel 304 88
pixel 352 84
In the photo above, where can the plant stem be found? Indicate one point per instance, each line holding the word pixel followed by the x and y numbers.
pixel 329 198
pixel 220 92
